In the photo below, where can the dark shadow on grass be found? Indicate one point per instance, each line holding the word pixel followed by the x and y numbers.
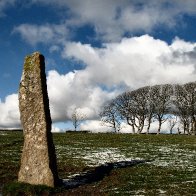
pixel 98 173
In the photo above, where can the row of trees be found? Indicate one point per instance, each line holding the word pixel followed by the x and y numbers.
pixel 160 103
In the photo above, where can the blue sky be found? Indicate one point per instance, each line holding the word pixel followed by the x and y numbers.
pixel 94 50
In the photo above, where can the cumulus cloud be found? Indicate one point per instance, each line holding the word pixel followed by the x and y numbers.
pixel 73 90
pixel 66 92
pixel 9 117
pixel 112 19
pixel 128 64
pixel 135 62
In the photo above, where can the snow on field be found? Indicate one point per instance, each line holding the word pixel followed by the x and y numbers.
pixel 102 156
pixel 94 157
pixel 174 156
pixel 3 133
pixel 165 156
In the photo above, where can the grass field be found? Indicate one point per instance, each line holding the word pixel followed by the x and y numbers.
pixel 113 164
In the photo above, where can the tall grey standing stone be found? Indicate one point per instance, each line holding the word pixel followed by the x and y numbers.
pixel 38 161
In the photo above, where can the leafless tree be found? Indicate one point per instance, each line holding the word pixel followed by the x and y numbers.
pixel 132 107
pixel 111 117
pixel 172 121
pixel 77 117
pixel 185 103
pixel 139 107
pixel 124 105
pixel 190 91
pixel 180 103
pixel 162 101
pixel 150 107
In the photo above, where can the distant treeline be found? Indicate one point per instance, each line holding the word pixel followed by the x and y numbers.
pixel 139 108
pixel 73 131
pixel 10 129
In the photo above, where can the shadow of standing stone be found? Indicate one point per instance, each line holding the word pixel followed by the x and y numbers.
pixel 38 161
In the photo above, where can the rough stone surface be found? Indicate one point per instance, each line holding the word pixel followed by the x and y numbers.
pixel 38 161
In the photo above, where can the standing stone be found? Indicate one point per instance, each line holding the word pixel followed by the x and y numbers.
pixel 38 162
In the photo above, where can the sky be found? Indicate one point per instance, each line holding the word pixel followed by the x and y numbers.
pixel 94 50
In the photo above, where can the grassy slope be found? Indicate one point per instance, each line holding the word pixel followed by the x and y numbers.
pixel 171 170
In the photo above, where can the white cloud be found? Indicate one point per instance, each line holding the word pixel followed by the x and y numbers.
pixel 131 63
pixel 72 90
pixel 66 92
pixel 182 46
pixel 94 126
pixel 56 129
pixel 9 117
pixel 54 48
pixel 111 19
pixel 135 62
pixel 48 33
pixel 4 4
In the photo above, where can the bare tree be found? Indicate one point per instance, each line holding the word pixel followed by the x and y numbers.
pixel 132 106
pixel 172 121
pixel 77 117
pixel 124 105
pixel 162 103
pixel 180 103
pixel 111 117
pixel 150 108
pixel 139 107
pixel 185 103
pixel 190 91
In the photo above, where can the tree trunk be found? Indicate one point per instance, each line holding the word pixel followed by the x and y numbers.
pixel 133 129
pixel 149 124
pixel 148 128
pixel 159 128
pixel 132 125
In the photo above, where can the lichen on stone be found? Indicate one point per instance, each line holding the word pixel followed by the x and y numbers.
pixel 36 122
pixel 28 63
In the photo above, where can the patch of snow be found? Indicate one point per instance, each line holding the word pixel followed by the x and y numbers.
pixel 3 133
pixel 103 156
pixel 162 191
pixel 165 156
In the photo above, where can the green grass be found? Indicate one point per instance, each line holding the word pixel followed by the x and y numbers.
pixel 18 189
pixel 170 168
